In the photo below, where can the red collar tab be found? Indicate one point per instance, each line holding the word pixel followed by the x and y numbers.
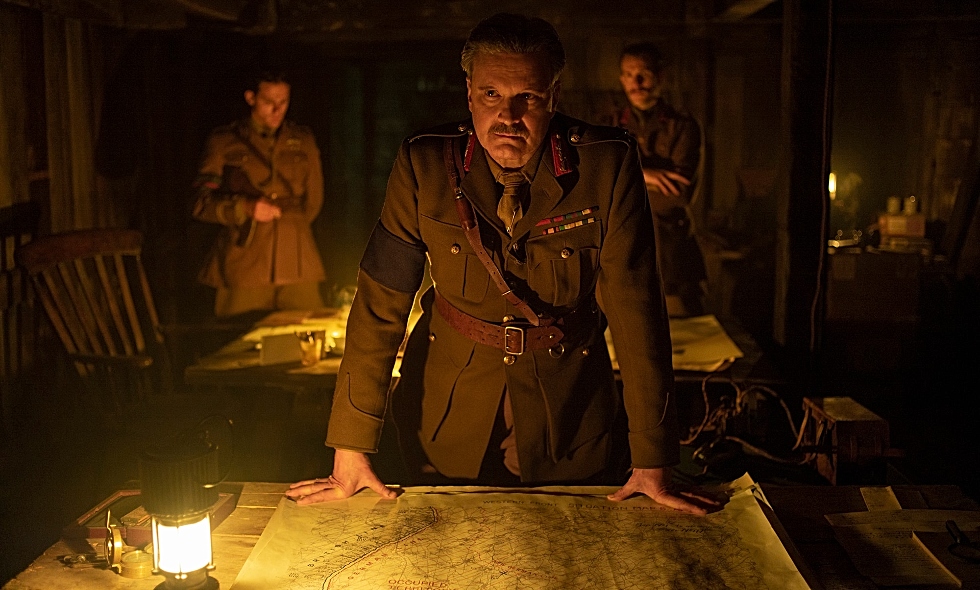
pixel 558 155
pixel 468 156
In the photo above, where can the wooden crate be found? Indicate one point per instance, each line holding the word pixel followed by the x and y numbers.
pixel 847 442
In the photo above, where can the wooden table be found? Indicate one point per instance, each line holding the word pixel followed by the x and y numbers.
pixel 288 404
pixel 232 543
pixel 800 510
pixel 213 370
pixel 237 363
pixel 279 411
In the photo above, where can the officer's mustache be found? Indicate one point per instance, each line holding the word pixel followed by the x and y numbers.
pixel 504 129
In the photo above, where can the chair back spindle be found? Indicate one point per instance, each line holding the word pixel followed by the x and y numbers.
pixel 94 288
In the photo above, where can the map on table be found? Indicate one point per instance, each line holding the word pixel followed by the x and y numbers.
pixel 462 538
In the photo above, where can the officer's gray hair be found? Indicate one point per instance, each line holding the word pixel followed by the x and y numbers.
pixel 514 33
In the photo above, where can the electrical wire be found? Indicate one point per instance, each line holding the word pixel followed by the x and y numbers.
pixel 710 417
pixel 754 450
pixel 716 418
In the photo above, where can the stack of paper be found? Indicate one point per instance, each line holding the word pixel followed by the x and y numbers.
pixel 902 547
pixel 699 344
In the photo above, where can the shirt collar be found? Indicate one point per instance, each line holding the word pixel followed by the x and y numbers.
pixel 645 115
pixel 263 131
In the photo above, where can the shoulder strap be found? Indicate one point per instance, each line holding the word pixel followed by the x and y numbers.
pixel 467 220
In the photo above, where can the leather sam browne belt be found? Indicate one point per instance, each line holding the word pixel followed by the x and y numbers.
pixel 540 331
pixel 512 339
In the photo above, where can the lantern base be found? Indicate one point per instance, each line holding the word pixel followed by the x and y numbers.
pixel 199 580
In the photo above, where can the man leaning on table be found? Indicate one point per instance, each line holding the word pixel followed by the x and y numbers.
pixel 570 237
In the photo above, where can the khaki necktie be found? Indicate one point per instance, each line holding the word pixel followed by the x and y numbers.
pixel 509 207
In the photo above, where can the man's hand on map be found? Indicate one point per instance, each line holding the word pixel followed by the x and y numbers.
pixel 352 472
pixel 655 483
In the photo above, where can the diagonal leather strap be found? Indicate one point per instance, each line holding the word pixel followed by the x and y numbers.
pixel 467 220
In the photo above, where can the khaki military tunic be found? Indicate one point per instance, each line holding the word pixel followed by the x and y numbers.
pixel 286 168
pixel 671 140
pixel 587 231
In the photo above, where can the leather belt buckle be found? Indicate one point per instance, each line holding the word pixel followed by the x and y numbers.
pixel 512 334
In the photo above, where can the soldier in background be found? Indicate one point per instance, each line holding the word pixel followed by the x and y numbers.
pixel 261 179
pixel 670 150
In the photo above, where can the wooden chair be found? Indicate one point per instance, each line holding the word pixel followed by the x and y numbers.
pixel 94 290
pixel 18 320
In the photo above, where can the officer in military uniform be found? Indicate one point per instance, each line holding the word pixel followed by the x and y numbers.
pixel 521 269
pixel 670 149
pixel 261 179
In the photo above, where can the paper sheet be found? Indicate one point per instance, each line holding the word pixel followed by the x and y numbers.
pixel 891 557
pixel 698 344
pixel 540 538
pixel 908 520
pixel 892 547
pixel 880 498
pixel 334 327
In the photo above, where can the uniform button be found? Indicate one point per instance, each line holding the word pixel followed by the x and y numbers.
pixel 510 359
pixel 462 127
pixel 575 138
pixel 566 252
pixel 455 248
pixel 432 337
pixel 585 352
pixel 274 196
pixel 508 318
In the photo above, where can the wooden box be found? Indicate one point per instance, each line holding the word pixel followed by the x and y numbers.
pixel 848 443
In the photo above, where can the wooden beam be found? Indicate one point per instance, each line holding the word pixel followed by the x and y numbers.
pixel 803 202
pixel 742 9
pixel 226 10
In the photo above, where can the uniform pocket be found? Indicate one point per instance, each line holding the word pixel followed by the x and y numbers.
pixel 580 397
pixel 294 165
pixel 454 266
pixel 563 266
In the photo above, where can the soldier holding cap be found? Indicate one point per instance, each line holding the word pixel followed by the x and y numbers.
pixel 261 179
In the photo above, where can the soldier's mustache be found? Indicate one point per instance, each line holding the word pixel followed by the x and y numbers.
pixel 503 129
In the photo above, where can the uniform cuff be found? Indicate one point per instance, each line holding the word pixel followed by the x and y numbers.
pixel 354 432
pixel 350 428
pixel 655 448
